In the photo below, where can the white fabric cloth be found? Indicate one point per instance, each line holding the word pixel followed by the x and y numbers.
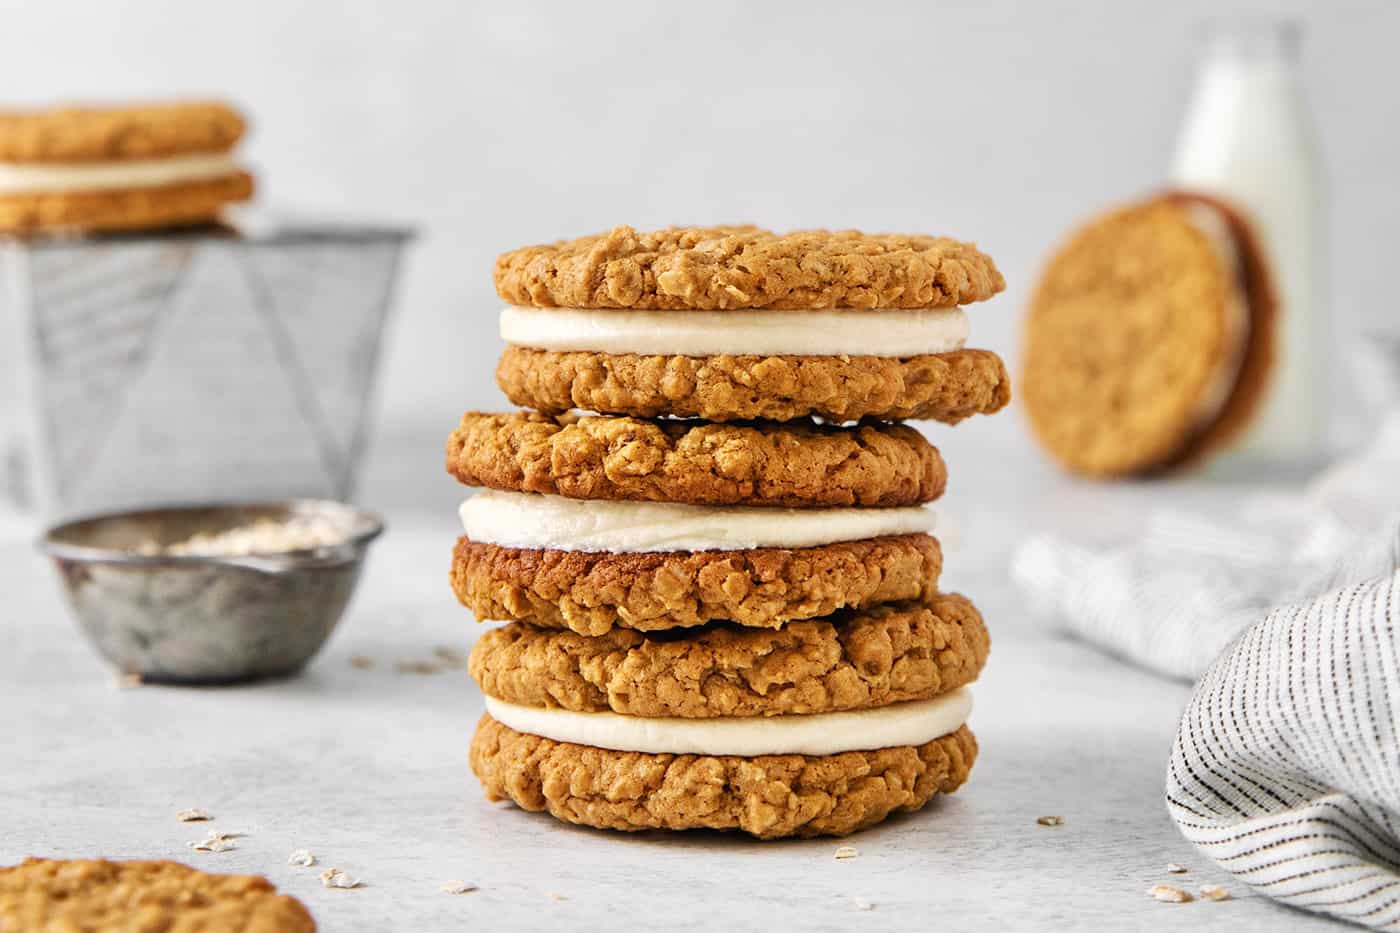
pixel 1286 768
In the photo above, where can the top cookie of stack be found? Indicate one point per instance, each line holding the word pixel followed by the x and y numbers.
pixel 737 323
pixel 137 167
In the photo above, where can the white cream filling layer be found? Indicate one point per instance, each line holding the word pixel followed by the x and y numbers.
pixel 59 178
pixel 911 723
pixel 530 520
pixel 890 333
pixel 1221 384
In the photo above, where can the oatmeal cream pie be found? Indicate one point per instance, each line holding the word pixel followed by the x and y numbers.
pixel 737 323
pixel 597 522
pixel 826 774
pixel 1149 339
pixel 852 660
pixel 97 894
pixel 88 169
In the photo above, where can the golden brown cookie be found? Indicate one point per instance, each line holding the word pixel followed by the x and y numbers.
pixel 854 660
pixel 1149 337
pixel 769 797
pixel 802 465
pixel 591 593
pixel 945 387
pixel 99 134
pixel 92 895
pixel 711 268
pixel 179 205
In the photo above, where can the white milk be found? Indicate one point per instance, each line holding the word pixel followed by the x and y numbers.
pixel 1248 139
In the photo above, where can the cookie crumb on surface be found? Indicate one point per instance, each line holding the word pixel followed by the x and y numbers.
pixel 457 887
pixel 215 842
pixel 861 903
pixel 1169 894
pixel 361 661
pixel 1050 820
pixel 450 657
pixel 1214 892
pixel 193 815
pixel 846 852
pixel 417 667
pixel 335 878
pixel 557 898
pixel 301 858
pixel 1174 869
pixel 127 681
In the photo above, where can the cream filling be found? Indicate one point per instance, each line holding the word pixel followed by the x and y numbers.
pixel 890 333
pixel 530 520
pixel 912 723
pixel 1221 383
pixel 59 178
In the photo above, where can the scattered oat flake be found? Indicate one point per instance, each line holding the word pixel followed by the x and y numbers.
pixel 450 656
pixel 417 667
pixel 846 852
pixel 1168 894
pixel 301 858
pixel 861 903
pixel 127 681
pixel 335 878
pixel 193 815
pixel 1174 869
pixel 212 843
pixel 1050 820
pixel 457 887
pixel 1214 892
pixel 362 661
pixel 556 898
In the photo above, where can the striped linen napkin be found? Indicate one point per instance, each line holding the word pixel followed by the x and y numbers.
pixel 1286 768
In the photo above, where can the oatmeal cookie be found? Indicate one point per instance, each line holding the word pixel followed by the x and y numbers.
pixel 1133 358
pixel 101 134
pixel 802 465
pixel 713 268
pixel 590 593
pixel 83 895
pixel 184 204
pixel 769 797
pixel 853 660
pixel 945 387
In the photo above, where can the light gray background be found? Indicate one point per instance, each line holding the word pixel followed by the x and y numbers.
pixel 493 125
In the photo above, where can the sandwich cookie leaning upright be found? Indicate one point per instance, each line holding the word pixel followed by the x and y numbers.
pixel 138 167
pixel 729 323
pixel 1150 338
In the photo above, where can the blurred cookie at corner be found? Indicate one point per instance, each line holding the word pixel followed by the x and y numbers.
pixel 90 169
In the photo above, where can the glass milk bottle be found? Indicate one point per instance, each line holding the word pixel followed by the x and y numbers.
pixel 1248 140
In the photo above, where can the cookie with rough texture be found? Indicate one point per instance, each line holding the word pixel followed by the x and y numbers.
pixel 945 387
pixel 180 205
pixel 715 268
pixel 591 593
pixel 802 465
pixel 1149 337
pixel 854 660
pixel 80 895
pixel 100 134
pixel 769 797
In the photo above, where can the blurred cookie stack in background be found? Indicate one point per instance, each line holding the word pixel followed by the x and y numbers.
pixel 155 349
pixel 721 588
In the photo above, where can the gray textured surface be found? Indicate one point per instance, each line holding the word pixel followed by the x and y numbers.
pixel 367 769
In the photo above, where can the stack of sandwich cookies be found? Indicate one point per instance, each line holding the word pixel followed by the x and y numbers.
pixel 728 624
pixel 119 168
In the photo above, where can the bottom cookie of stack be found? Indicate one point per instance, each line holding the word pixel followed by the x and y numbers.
pixel 823 728
pixel 768 796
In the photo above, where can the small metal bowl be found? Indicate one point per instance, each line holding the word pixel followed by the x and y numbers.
pixel 196 619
